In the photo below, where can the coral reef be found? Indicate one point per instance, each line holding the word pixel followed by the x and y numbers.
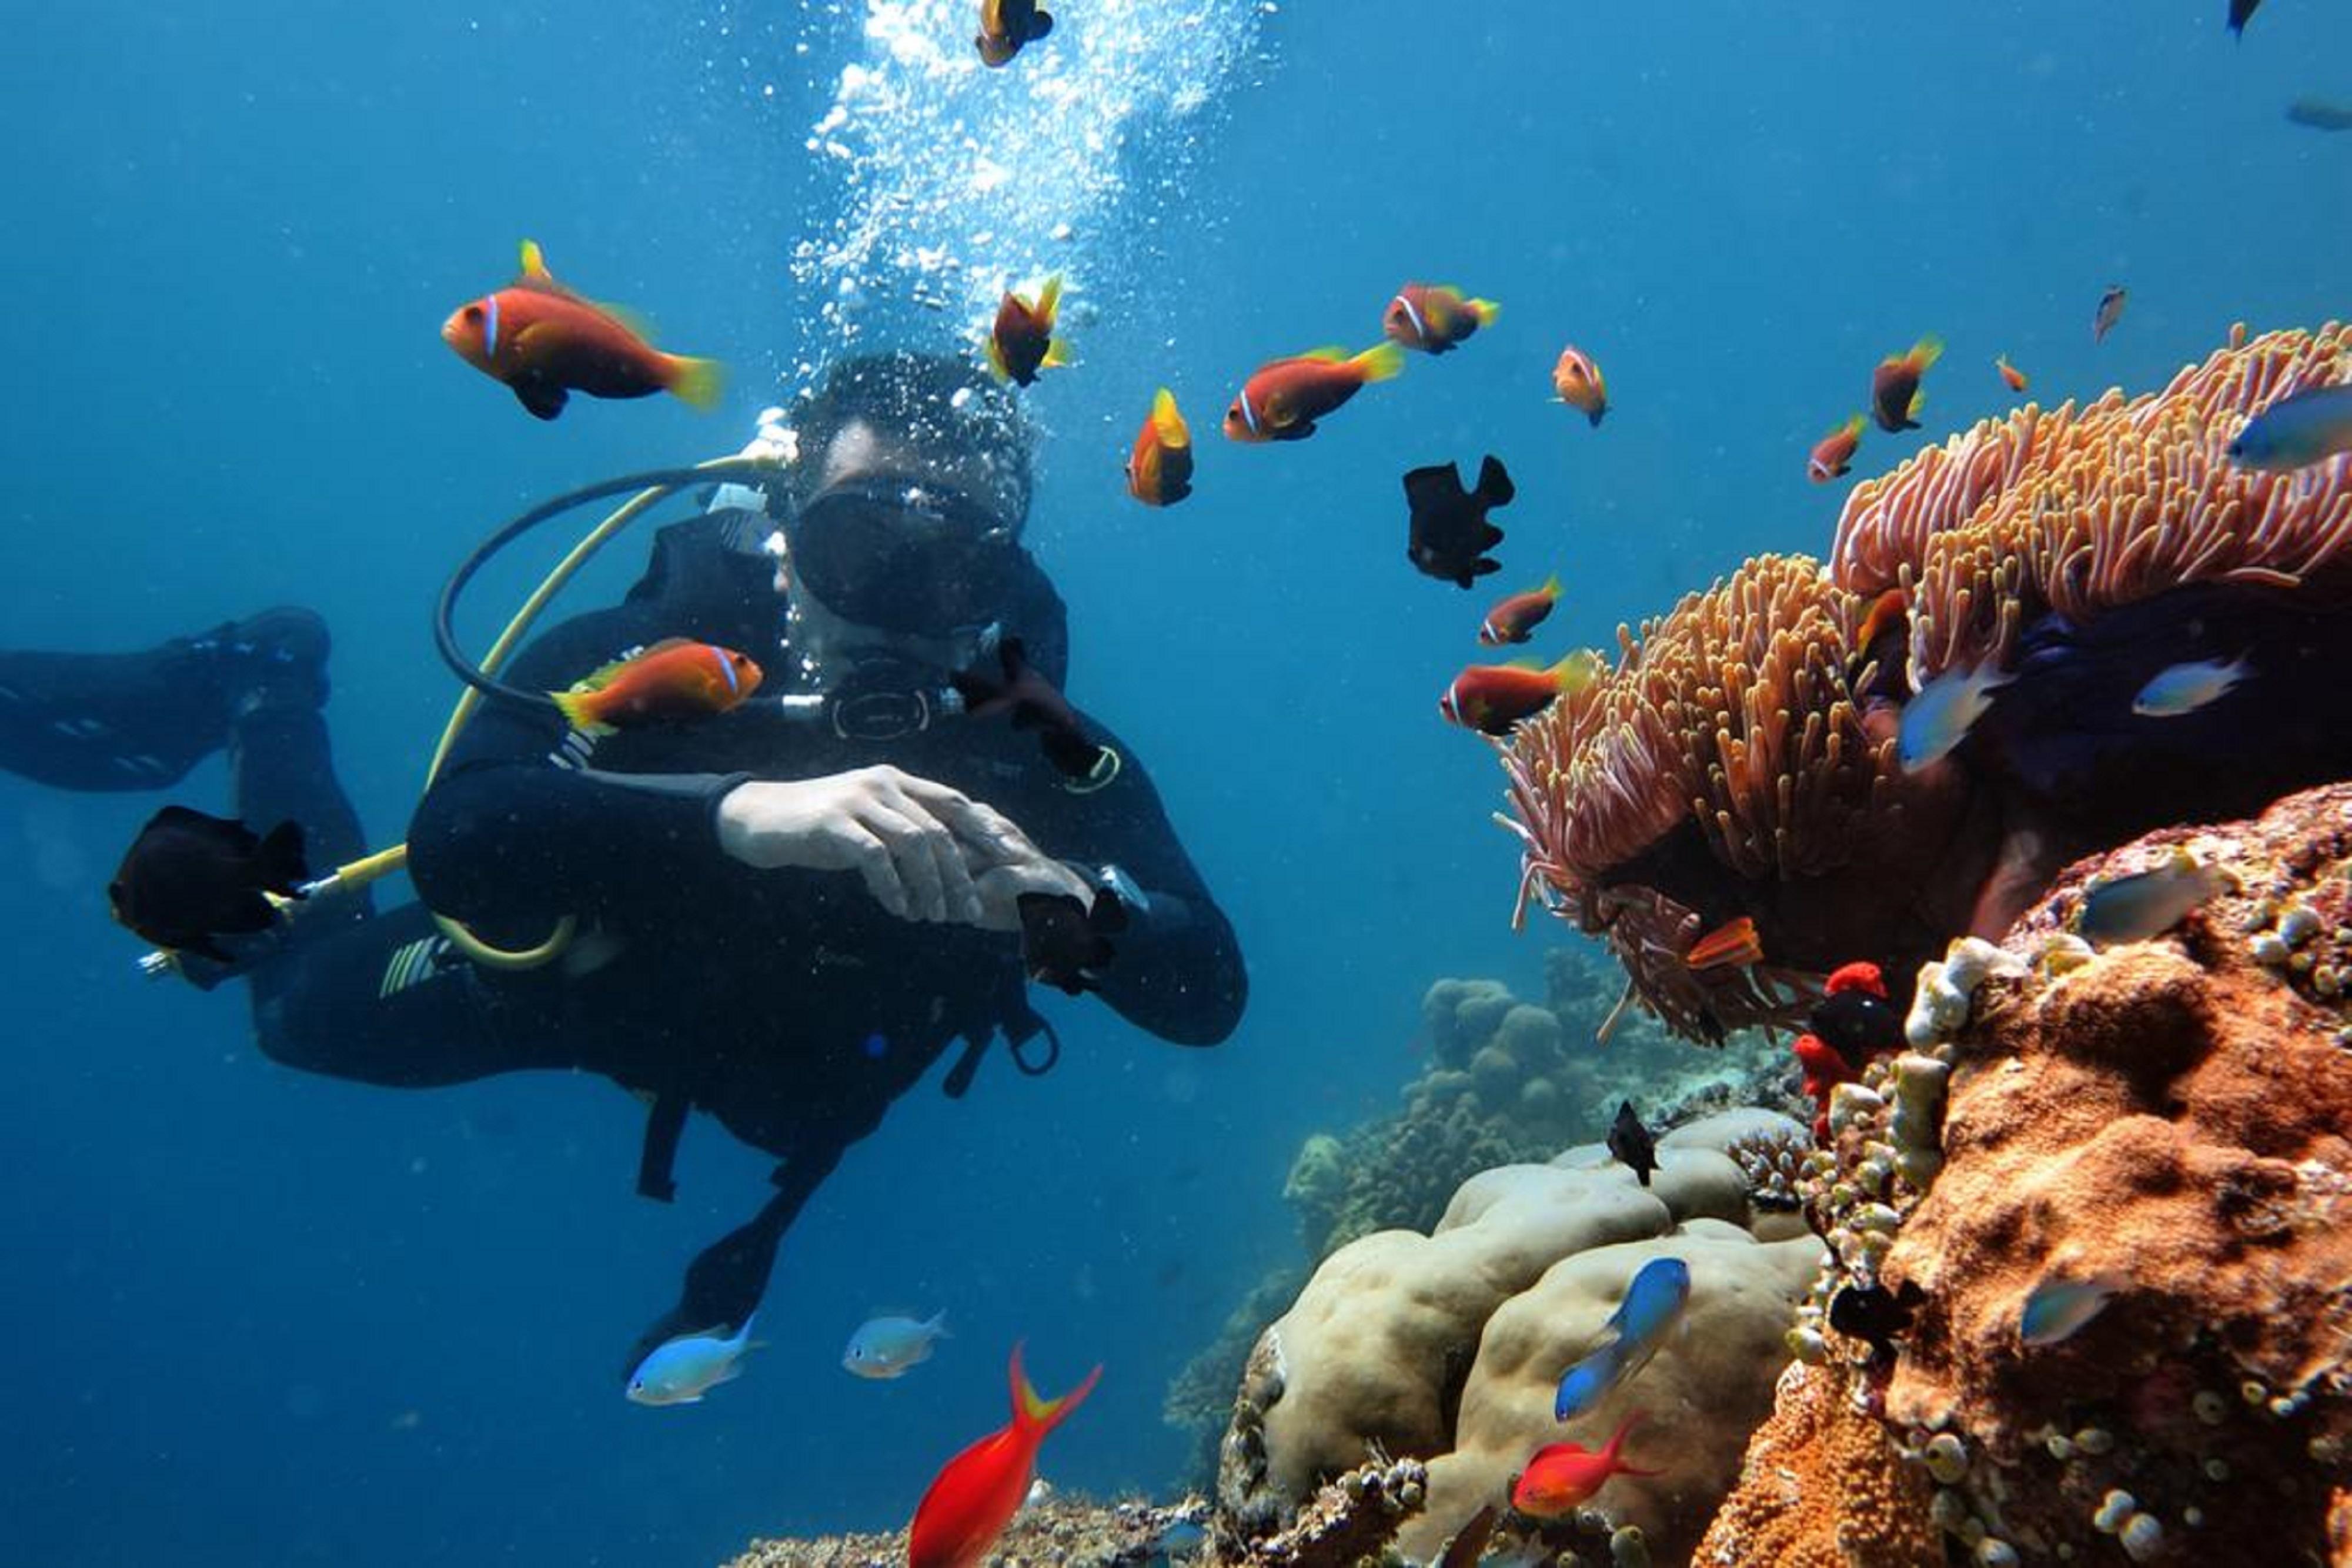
pixel 2158 1138
pixel 1053 1532
pixel 1738 759
pixel 1823 1488
pixel 1446 1347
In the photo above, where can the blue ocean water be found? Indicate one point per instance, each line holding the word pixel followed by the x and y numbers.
pixel 255 1317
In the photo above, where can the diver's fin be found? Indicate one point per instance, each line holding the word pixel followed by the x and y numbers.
pixel 545 400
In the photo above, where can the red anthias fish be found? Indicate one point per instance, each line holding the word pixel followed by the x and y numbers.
pixel 546 342
pixel 1284 398
pixel 1515 618
pixel 1895 399
pixel 1563 1477
pixel 1834 454
pixel 674 682
pixel 1435 316
pixel 975 1496
pixel 1023 339
pixel 1491 698
pixel 1160 469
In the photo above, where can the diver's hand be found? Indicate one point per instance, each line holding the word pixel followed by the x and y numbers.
pixel 916 842
pixel 1001 887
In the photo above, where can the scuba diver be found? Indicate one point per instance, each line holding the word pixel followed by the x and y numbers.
pixel 784 915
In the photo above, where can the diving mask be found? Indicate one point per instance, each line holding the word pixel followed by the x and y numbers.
pixel 904 556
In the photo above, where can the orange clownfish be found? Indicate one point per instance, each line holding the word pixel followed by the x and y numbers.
pixel 1284 398
pixel 1435 316
pixel 976 1494
pixel 1896 398
pixel 1023 339
pixel 1834 454
pixel 1514 618
pixel 1578 382
pixel 1562 1476
pixel 546 344
pixel 1733 942
pixel 675 681
pixel 1885 613
pixel 1160 469
pixel 1490 698
pixel 2011 376
pixel 1005 25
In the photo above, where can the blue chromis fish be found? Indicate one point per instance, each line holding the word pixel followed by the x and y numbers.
pixel 2058 1306
pixel 2310 427
pixel 2184 689
pixel 1939 717
pixel 681 1370
pixel 885 1346
pixel 1654 1303
pixel 2146 905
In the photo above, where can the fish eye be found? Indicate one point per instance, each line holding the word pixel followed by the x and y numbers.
pixel 473 313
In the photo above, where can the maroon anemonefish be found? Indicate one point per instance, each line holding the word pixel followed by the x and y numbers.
pixel 1561 1477
pixel 1885 611
pixel 1896 398
pixel 2011 376
pixel 1284 398
pixel 546 342
pixel 1022 340
pixel 1005 25
pixel 1733 942
pixel 1514 618
pixel 1435 316
pixel 1160 468
pixel 1833 452
pixel 1491 698
pixel 1578 382
pixel 675 681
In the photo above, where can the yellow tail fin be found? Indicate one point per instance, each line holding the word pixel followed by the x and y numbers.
pixel 1057 352
pixel 1379 362
pixel 578 714
pixel 1049 300
pixel 1169 424
pixel 696 383
pixel 1486 311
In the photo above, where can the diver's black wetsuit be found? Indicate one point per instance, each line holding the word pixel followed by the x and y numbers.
pixel 785 1003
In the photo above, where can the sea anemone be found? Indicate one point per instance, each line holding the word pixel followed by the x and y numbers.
pixel 1738 759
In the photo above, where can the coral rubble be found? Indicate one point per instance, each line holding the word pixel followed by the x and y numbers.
pixel 1054 1532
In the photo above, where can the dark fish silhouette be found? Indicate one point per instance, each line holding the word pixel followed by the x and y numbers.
pixel 1451 535
pixel 1875 1314
pixel 2320 114
pixel 1034 704
pixel 1065 943
pixel 1631 1143
pixel 1858 1024
pixel 189 878
pixel 2241 13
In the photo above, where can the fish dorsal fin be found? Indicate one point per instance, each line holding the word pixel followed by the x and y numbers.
pixel 535 276
pixel 602 674
pixel 1049 300
pixel 1331 353
pixel 634 321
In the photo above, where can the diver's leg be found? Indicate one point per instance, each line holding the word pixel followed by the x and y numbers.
pixel 727 1279
pixel 139 721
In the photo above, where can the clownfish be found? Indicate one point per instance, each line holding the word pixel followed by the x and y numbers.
pixel 1490 698
pixel 1832 455
pixel 1896 398
pixel 1578 382
pixel 976 1494
pixel 545 342
pixel 1160 468
pixel 1434 317
pixel 1284 398
pixel 2011 376
pixel 1515 618
pixel 1022 341
pixel 675 681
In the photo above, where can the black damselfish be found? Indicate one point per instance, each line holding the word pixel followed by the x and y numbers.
pixel 1631 1143
pixel 1451 535
pixel 1065 943
pixel 1032 702
pixel 1858 1026
pixel 1875 1314
pixel 189 878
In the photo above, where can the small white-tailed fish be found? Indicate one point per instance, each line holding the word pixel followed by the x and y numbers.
pixel 2297 432
pixel 2145 905
pixel 886 1345
pixel 1939 717
pixel 1654 1303
pixel 2184 689
pixel 2059 1306
pixel 680 1371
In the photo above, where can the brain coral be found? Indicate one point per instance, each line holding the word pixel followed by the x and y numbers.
pixel 1446 1346
pixel 1738 761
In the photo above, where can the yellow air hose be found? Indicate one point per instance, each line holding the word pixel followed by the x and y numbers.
pixel 369 868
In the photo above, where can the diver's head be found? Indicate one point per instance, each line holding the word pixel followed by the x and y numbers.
pixel 906 499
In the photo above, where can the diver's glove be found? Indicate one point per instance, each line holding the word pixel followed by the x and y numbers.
pixel 774 442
